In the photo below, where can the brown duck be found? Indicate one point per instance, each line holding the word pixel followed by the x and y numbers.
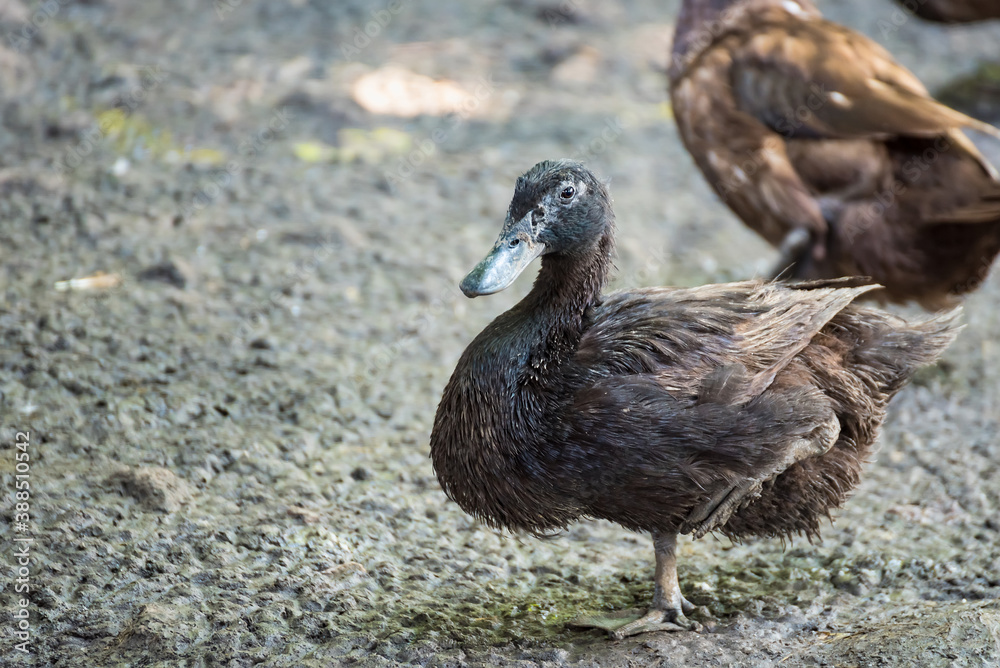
pixel 819 141
pixel 745 408
pixel 953 11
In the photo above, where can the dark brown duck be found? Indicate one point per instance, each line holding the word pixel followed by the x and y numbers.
pixel 746 408
pixel 829 149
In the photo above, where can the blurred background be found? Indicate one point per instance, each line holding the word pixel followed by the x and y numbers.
pixel 230 240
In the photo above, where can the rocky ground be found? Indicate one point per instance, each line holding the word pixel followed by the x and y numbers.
pixel 227 425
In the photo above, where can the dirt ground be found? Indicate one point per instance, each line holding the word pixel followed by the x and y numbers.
pixel 227 428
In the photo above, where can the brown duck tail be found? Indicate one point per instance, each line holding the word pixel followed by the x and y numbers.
pixel 890 350
pixel 860 359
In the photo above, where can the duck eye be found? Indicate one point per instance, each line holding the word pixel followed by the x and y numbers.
pixel 568 192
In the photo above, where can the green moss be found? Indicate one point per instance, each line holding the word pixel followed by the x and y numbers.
pixel 497 613
pixel 539 614
pixel 486 616
pixel 130 132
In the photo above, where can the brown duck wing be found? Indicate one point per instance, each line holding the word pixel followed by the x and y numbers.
pixel 676 408
pixel 816 79
pixel 684 336
pixel 634 454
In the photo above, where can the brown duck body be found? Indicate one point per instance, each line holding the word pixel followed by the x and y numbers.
pixel 953 11
pixel 635 407
pixel 801 124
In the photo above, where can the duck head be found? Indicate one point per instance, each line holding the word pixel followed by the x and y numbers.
pixel 559 209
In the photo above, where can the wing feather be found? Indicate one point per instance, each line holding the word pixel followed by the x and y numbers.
pixel 683 336
pixel 816 79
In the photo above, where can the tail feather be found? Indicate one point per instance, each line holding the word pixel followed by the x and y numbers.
pixel 893 349
pixel 860 360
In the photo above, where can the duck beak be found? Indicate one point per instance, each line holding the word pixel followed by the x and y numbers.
pixel 513 251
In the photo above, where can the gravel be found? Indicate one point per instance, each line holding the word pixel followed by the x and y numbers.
pixel 228 441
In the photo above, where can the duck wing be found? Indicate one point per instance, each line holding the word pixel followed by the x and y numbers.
pixel 634 454
pixel 686 337
pixel 678 422
pixel 815 79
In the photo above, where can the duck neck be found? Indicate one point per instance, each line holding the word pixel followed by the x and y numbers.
pixel 695 29
pixel 701 22
pixel 567 285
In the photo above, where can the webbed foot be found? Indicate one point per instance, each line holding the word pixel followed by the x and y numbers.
pixel 671 619
pixel 669 606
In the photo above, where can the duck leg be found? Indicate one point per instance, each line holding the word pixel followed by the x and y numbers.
pixel 717 510
pixel 669 606
pixel 792 253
